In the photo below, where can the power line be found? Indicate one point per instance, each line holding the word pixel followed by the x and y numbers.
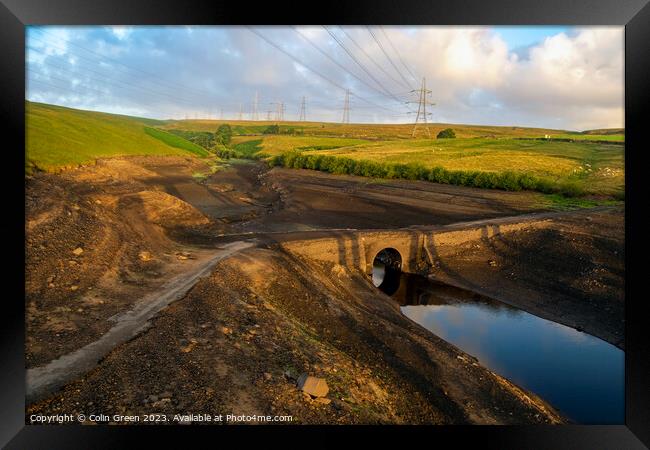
pixel 328 56
pixel 110 80
pixel 399 72
pixel 397 52
pixel 63 88
pixel 371 58
pixel 170 84
pixel 354 58
pixel 306 66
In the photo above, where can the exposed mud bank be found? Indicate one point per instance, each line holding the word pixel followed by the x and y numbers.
pixel 100 239
pixel 238 340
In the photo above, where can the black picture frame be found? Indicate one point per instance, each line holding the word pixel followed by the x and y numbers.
pixel 16 14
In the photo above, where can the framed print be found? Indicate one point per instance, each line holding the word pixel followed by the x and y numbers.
pixel 405 219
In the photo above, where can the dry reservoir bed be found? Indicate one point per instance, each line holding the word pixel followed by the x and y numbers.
pixel 239 339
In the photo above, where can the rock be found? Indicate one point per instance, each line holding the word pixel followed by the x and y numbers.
pixel 145 256
pixel 316 387
pixel 166 394
pixel 267 376
pixel 492 263
pixel 78 251
pixel 74 287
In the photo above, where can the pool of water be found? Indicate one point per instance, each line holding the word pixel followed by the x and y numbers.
pixel 580 375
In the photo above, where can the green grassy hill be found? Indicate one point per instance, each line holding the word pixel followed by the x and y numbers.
pixel 58 137
pixel 389 131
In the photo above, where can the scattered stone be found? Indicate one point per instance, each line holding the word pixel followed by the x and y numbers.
pixel 74 287
pixel 189 347
pixel 145 256
pixel 288 374
pixel 98 201
pixel 166 394
pixel 323 400
pixel 267 376
pixel 492 263
pixel 316 387
pixel 50 279
pixel 162 403
pixel 78 251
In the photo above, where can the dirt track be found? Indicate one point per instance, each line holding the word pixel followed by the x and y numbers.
pixel 237 339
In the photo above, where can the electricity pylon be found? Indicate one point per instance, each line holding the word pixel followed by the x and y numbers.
pixel 254 113
pixel 303 112
pixel 279 110
pixel 346 107
pixel 241 111
pixel 421 117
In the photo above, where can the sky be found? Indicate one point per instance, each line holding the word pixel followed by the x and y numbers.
pixel 541 76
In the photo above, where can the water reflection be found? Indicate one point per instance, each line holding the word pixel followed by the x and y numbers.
pixel 580 375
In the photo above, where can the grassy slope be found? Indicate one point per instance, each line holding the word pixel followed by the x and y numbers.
pixel 363 131
pixel 595 168
pixel 274 145
pixel 60 137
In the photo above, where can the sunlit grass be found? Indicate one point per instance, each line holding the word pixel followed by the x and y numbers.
pixel 58 137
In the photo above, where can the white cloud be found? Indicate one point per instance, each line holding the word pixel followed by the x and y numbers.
pixel 569 81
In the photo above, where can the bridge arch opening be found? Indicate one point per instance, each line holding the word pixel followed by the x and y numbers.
pixel 386 270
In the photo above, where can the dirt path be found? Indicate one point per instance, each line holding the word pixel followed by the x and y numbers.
pixel 42 380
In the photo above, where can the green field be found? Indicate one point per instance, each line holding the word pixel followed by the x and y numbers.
pixel 511 158
pixel 274 145
pixel 578 167
pixel 58 137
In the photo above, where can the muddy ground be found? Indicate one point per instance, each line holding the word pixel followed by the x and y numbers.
pixel 237 341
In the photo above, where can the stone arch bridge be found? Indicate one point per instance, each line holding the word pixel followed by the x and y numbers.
pixel 419 247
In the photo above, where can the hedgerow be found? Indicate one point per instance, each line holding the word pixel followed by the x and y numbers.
pixel 507 181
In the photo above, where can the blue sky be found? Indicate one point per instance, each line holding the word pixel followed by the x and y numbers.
pixel 556 77
pixel 518 36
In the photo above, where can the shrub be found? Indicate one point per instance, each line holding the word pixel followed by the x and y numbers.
pixel 509 181
pixel 225 153
pixel 447 133
pixel 272 129
pixel 223 135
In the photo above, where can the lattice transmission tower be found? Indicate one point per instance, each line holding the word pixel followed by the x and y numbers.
pixel 254 113
pixel 346 107
pixel 303 110
pixel 422 114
